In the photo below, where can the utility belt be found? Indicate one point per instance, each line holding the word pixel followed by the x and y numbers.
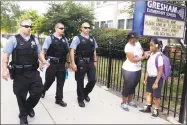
pixel 56 59
pixel 84 59
pixel 20 69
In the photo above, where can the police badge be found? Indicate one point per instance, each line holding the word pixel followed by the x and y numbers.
pixel 91 39
pixel 63 40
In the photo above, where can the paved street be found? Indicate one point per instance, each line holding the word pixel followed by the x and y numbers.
pixel 104 108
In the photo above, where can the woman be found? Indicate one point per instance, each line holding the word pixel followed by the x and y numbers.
pixel 153 79
pixel 131 69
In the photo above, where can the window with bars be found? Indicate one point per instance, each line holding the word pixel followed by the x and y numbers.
pixel 129 23
pixel 98 3
pixel 121 24
pixel 110 24
pixel 102 24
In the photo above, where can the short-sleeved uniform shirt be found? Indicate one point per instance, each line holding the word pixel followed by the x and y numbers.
pixel 48 41
pixel 151 67
pixel 76 41
pixel 12 43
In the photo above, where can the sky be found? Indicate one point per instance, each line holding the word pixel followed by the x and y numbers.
pixel 40 6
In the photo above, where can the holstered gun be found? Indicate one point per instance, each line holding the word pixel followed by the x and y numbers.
pixel 11 69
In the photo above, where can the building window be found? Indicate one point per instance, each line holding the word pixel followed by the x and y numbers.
pixel 121 24
pixel 110 24
pixel 129 23
pixel 96 24
pixel 98 3
pixel 103 24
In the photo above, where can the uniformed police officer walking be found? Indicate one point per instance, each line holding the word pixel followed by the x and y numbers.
pixel 84 61
pixel 25 50
pixel 56 48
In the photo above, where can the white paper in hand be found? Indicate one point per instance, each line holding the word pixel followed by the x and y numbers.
pixel 46 66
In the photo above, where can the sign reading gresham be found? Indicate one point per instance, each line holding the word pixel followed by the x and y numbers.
pixel 159 19
pixel 165 10
pixel 158 26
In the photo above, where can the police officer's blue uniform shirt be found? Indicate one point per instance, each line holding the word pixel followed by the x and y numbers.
pixel 76 42
pixel 48 42
pixel 12 43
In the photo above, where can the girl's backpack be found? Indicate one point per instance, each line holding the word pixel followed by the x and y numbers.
pixel 166 66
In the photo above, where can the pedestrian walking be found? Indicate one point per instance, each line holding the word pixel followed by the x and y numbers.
pixel 25 50
pixel 84 62
pixel 56 49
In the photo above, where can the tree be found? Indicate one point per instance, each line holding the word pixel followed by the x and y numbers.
pixel 34 17
pixel 129 9
pixel 70 14
pixel 10 12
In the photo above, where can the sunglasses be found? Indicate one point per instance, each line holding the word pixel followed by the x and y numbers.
pixel 61 28
pixel 86 27
pixel 27 26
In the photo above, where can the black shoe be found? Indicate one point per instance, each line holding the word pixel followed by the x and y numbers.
pixel 147 109
pixel 43 95
pixel 23 121
pixel 87 99
pixel 81 104
pixel 61 103
pixel 31 113
pixel 155 113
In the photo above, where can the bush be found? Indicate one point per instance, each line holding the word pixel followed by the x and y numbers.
pixel 104 36
pixel 178 68
pixel 116 36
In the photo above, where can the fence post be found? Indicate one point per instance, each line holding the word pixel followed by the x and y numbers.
pixel 186 105
pixel 182 106
pixel 110 63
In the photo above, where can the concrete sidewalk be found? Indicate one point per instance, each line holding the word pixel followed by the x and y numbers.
pixel 104 108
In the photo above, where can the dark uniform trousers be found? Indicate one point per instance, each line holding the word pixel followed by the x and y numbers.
pixel 82 69
pixel 55 70
pixel 27 82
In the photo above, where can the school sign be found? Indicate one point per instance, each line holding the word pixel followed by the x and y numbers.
pixel 159 19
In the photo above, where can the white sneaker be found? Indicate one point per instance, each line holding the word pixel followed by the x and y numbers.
pixel 125 107
pixel 155 113
pixel 132 104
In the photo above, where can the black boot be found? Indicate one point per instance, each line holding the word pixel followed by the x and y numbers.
pixel 23 121
pixel 146 109
pixel 61 103
pixel 31 113
pixel 81 104
pixel 43 94
pixel 87 98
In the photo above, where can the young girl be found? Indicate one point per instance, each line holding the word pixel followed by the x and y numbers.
pixel 153 79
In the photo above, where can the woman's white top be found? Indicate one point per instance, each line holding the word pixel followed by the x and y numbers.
pixel 138 52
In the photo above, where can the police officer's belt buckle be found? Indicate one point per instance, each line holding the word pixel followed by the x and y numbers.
pixel 86 59
pixel 56 60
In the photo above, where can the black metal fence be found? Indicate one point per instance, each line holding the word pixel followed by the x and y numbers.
pixel 109 73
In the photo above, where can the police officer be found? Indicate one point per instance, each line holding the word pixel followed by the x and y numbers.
pixel 56 48
pixel 25 50
pixel 84 62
